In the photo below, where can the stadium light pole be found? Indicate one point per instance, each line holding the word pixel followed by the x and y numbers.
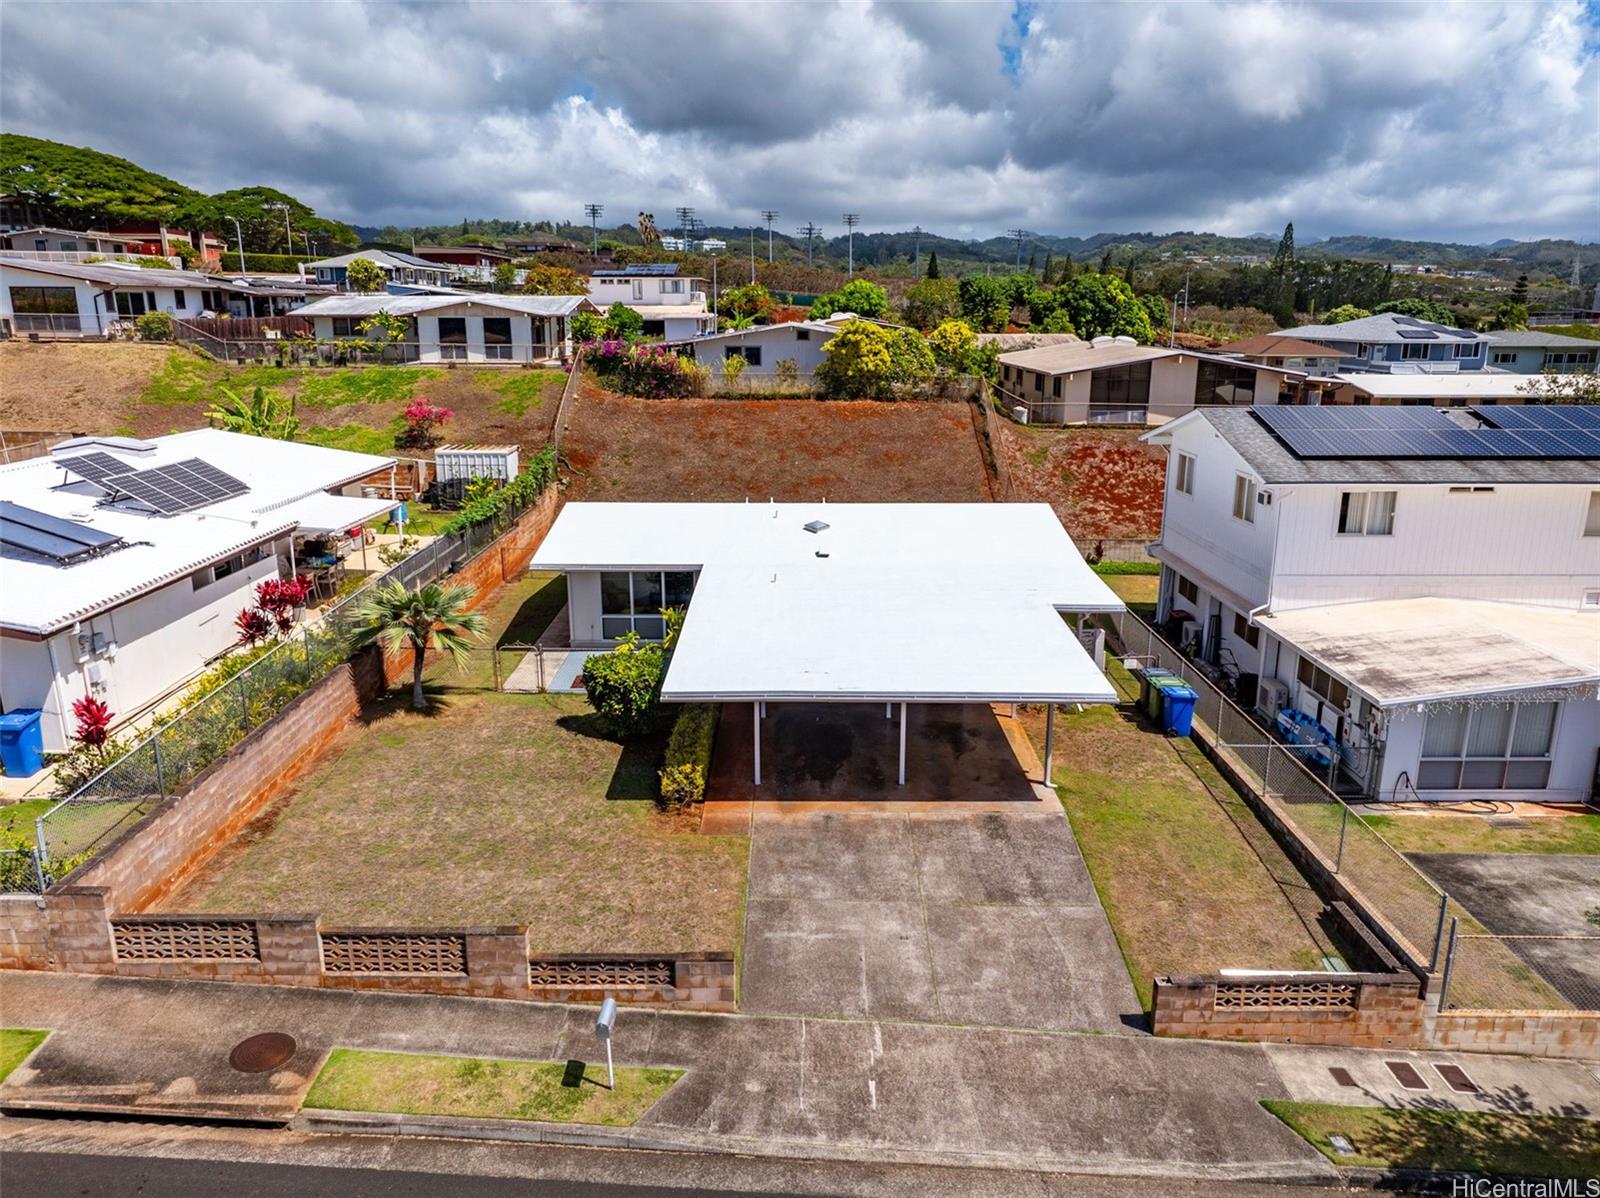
pixel 769 215
pixel 851 220
pixel 594 212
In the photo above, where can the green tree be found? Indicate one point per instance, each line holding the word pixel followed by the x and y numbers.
pixel 85 183
pixel 365 275
pixel 752 301
pixel 545 278
pixel 431 617
pixel 1282 280
pixel 1422 309
pixel 1509 315
pixel 1156 309
pixel 1057 322
pixel 264 414
pixel 985 304
pixel 951 345
pixel 1048 275
pixel 933 264
pixel 261 213
pixel 623 323
pixel 1343 313
pixel 156 326
pixel 930 301
pixel 624 686
pixel 505 277
pixel 1519 293
pixel 861 296
pixel 1103 306
pixel 587 326
pixel 865 361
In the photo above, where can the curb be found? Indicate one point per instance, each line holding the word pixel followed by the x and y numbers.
pixel 1313 1174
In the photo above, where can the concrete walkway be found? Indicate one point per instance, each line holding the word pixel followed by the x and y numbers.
pixel 829 1089
pixel 986 919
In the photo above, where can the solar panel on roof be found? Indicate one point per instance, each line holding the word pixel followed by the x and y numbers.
pixel 39 532
pixel 1418 335
pixel 1410 320
pixel 180 486
pixel 1426 432
pixel 95 467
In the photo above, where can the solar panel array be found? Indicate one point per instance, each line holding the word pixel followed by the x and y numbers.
pixel 39 532
pixel 179 487
pixel 1535 431
pixel 644 268
pixel 95 467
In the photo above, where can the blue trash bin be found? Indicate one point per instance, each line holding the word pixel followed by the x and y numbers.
pixel 1177 708
pixel 21 743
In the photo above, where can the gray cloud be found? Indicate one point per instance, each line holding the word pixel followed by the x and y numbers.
pixel 1479 122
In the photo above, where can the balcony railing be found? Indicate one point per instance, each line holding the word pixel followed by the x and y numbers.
pixel 78 257
pixel 29 322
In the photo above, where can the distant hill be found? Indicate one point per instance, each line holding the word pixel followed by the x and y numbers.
pixel 80 187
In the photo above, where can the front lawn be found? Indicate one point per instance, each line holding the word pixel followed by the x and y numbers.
pixel 1448 1141
pixel 15 1045
pixel 1425 832
pixel 474 1087
pixel 1138 591
pixel 1190 879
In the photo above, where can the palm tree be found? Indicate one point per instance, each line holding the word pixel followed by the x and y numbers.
pixel 431 617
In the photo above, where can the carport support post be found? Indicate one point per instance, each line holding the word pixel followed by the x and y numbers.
pixel 755 722
pixel 902 744
pixel 1049 739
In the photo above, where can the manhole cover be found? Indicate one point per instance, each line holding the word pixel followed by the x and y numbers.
pixel 1406 1074
pixel 1456 1078
pixel 1341 1075
pixel 263 1053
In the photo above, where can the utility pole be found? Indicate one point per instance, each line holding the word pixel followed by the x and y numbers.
pixel 594 212
pixel 288 235
pixel 808 231
pixel 769 215
pixel 1017 235
pixel 685 219
pixel 752 255
pixel 240 233
pixel 916 250
pixel 851 220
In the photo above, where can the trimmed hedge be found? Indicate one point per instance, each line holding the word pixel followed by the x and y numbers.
pixel 683 777
pixel 1126 567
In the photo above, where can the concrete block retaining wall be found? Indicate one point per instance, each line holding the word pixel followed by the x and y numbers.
pixel 1574 1035
pixel 1361 1010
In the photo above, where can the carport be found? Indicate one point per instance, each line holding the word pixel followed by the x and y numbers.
pixel 887 604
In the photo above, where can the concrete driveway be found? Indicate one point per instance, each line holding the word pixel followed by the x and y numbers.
pixel 976 919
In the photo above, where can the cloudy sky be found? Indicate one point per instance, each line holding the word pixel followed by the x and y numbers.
pixel 1466 122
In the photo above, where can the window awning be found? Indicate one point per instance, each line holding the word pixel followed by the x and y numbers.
pixel 322 512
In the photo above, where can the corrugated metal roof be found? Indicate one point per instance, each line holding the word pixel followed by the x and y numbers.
pixel 412 305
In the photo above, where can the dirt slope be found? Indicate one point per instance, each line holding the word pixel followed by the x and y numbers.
pixel 1102 483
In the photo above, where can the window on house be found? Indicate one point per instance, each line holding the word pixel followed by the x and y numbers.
pixel 1220 383
pixel 1498 746
pixel 802 334
pixel 1187 590
pixel 497 338
pixel 180 299
pixel 1591 522
pixel 130 303
pixel 1183 474
pixel 1120 393
pixel 1414 349
pixel 1055 387
pixel 1244 498
pixel 70 246
pixel 1503 357
pixel 345 326
pixel 453 337
pixel 631 601
pixel 1466 349
pixel 40 244
pixel 750 353
pixel 1038 383
pixel 1327 687
pixel 1366 513
pixel 1363 349
pixel 1247 632
pixel 44 301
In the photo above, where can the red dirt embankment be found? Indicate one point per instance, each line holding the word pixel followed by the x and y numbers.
pixel 1102 483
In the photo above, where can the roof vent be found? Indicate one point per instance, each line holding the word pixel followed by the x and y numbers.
pixel 816 526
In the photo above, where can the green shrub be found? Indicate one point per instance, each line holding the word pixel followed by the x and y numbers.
pixel 688 764
pixel 624 686
pixel 153 262
pixel 155 326
pixel 1127 567
pixel 529 484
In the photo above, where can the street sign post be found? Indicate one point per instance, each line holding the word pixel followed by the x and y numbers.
pixel 603 1025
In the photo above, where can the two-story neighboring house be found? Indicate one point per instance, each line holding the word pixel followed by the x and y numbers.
pixel 1391 342
pixel 673 306
pixel 1534 351
pixel 1423 583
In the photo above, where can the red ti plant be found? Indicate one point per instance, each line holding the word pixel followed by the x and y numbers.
pixel 278 598
pixel 94 722
pixel 422 421
pixel 254 626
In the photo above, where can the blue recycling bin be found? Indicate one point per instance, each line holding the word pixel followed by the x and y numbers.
pixel 1177 708
pixel 21 743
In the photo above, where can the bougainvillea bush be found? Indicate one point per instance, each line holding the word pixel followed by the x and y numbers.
pixel 636 368
pixel 421 422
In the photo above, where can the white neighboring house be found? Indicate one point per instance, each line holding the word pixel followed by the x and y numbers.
pixel 1439 616
pixel 1115 380
pixel 1423 390
pixel 764 346
pixel 673 306
pixel 60 299
pixel 459 328
pixel 402 272
pixel 101 595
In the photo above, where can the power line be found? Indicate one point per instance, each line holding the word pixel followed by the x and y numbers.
pixel 851 220
pixel 1017 235
pixel 685 221
pixel 769 215
pixel 594 212
pixel 809 232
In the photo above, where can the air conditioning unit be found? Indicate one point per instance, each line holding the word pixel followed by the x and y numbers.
pixel 1272 695
pixel 1264 498
pixel 1094 644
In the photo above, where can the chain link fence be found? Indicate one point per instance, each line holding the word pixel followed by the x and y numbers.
pixel 183 744
pixel 1488 971
pixel 1483 971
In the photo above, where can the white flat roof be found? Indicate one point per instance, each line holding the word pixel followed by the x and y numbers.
pixel 323 512
pixel 1399 651
pixel 1487 384
pixel 913 602
pixel 40 596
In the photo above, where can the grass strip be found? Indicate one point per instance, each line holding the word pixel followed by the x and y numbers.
pixel 485 1088
pixel 15 1045
pixel 1448 1141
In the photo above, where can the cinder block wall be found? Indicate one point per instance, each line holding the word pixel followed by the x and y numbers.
pixel 1574 1035
pixel 1388 1012
pixel 24 932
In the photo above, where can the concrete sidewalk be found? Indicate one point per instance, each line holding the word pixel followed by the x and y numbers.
pixel 768 1086
pixel 852 1090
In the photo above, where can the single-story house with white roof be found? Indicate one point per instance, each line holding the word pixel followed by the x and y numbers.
pixel 863 603
pixel 64 299
pixel 1114 380
pixel 459 328
pixel 763 346
pixel 126 587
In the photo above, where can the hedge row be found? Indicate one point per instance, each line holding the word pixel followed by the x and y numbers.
pixel 683 777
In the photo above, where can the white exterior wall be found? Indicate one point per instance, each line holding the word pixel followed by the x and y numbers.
pixel 162 638
pixel 583 606
pixel 1172 384
pixel 1200 528
pixel 776 344
pixel 92 311
pixel 1522 543
pixel 652 290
